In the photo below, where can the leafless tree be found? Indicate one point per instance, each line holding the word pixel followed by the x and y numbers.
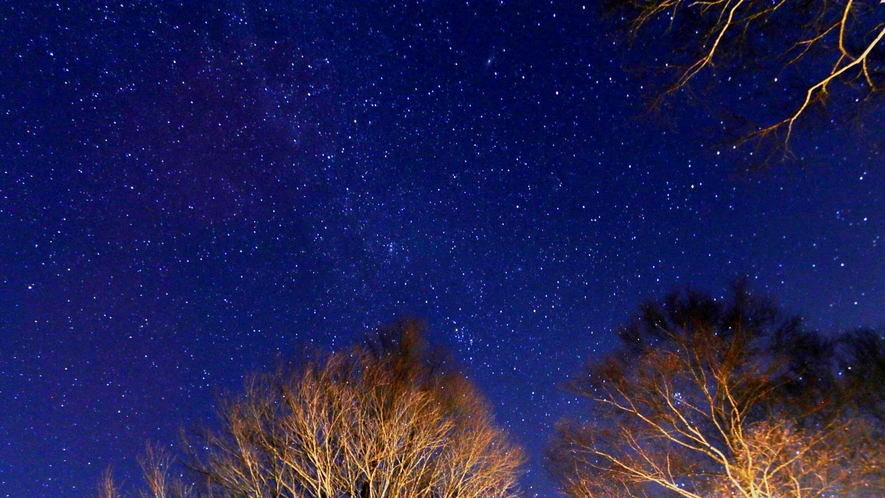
pixel 696 403
pixel 388 418
pixel 833 46
pixel 156 464
pixel 107 488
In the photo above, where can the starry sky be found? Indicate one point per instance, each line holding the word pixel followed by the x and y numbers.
pixel 190 191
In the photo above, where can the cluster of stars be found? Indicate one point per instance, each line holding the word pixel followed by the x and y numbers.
pixel 189 193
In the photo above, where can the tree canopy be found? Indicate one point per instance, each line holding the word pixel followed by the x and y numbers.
pixel 710 397
pixel 387 418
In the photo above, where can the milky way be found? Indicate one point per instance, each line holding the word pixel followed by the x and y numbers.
pixel 189 193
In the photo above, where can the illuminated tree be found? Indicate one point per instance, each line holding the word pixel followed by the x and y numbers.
pixel 822 47
pixel 701 401
pixel 388 418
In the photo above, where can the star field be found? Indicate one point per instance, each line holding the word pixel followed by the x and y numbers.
pixel 189 192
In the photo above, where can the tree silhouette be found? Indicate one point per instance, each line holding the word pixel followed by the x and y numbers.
pixel 386 418
pixel 861 361
pixel 706 398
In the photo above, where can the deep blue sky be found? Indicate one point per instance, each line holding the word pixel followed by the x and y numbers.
pixel 188 193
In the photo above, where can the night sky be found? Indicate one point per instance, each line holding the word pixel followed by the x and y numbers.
pixel 192 192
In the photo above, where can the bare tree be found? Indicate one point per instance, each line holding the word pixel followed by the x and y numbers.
pixel 388 418
pixel 107 488
pixel 696 403
pixel 156 464
pixel 822 46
